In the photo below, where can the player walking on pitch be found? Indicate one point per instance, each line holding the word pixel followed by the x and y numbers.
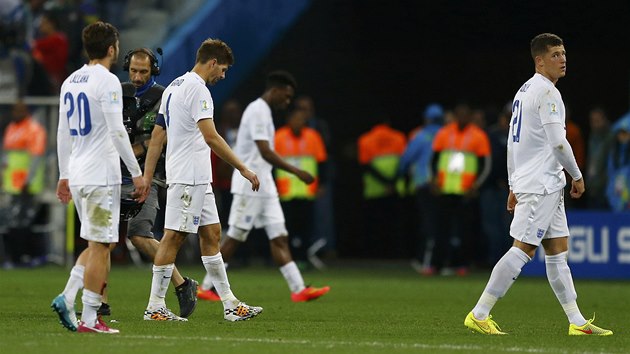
pixel 537 152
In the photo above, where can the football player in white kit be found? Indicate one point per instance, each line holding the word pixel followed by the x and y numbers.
pixel 254 144
pixel 91 140
pixel 187 114
pixel 537 153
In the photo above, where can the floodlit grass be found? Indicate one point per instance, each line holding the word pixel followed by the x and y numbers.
pixel 375 309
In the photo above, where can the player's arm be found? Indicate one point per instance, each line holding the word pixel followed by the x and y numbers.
pixel 564 154
pixel 216 142
pixel 278 162
pixel 120 140
pixel 511 201
pixel 154 150
pixel 64 149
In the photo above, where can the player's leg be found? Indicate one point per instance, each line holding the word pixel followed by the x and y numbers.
pixel 139 230
pixel 556 246
pixel 183 209
pixel 272 218
pixel 99 203
pixel 63 304
pixel 239 209
pixel 527 218
pixel 209 242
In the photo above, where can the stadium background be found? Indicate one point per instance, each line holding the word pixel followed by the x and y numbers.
pixel 363 61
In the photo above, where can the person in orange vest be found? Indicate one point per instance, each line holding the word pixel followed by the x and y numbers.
pixel 461 163
pixel 380 151
pixel 24 146
pixel 304 148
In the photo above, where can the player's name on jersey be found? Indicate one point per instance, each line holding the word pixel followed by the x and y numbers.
pixel 79 79
pixel 177 82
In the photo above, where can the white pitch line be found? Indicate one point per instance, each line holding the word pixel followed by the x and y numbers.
pixel 333 343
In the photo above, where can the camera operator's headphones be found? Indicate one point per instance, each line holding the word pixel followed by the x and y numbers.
pixel 155 68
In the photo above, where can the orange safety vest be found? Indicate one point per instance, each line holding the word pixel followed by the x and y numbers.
pixel 458 152
pixel 22 141
pixel 382 148
pixel 305 152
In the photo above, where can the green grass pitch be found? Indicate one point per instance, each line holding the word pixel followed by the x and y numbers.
pixel 377 309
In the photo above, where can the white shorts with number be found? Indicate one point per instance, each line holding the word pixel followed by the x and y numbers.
pixel 99 211
pixel 184 203
pixel 248 212
pixel 538 217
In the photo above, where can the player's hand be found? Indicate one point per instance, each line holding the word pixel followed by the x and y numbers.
pixel 511 202
pixel 141 189
pixel 577 188
pixel 252 178
pixel 305 176
pixel 63 191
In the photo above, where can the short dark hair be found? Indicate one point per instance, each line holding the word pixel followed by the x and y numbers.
pixel 97 38
pixel 215 49
pixel 541 42
pixel 280 78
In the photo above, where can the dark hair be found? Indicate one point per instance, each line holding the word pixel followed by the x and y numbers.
pixel 215 49
pixel 541 42
pixel 280 78
pixel 97 38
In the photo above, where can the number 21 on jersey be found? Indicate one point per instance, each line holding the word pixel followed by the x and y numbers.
pixel 82 114
pixel 517 117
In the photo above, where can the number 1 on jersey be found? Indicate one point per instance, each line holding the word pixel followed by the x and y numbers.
pixel 517 117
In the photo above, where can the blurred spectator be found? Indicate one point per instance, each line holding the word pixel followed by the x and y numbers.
pixel 23 177
pixel 113 11
pixel 379 151
pixel 576 139
pixel 324 230
pixel 462 162
pixel 599 141
pixel 495 220
pixel 50 49
pixel 304 148
pixel 618 187
pixel 15 63
pixel 416 162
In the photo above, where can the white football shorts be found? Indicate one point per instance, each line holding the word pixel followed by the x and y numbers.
pixel 98 208
pixel 184 203
pixel 209 213
pixel 249 212
pixel 538 217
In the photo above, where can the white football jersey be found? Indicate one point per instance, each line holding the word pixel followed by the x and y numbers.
pixel 256 124
pixel 184 102
pixel 87 155
pixel 536 169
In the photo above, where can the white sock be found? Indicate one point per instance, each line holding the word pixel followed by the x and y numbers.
pixel 74 284
pixel 206 284
pixel 292 275
pixel 559 276
pixel 503 276
pixel 159 285
pixel 216 270
pixel 91 303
